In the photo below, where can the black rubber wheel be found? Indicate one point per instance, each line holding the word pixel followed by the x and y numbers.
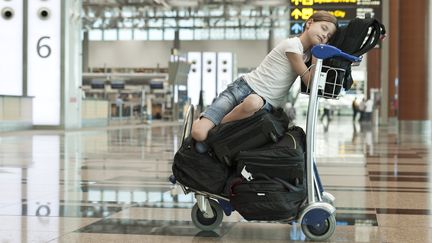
pixel 320 232
pixel 207 224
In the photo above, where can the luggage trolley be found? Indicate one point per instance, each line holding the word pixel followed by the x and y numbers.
pixel 317 216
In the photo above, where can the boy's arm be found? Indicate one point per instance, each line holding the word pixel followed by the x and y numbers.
pixel 298 65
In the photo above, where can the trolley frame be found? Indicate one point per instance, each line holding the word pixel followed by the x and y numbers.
pixel 319 205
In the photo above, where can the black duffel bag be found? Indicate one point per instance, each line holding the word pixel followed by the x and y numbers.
pixel 284 159
pixel 265 198
pixel 198 171
pixel 227 139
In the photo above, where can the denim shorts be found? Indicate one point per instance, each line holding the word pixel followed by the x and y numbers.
pixel 233 95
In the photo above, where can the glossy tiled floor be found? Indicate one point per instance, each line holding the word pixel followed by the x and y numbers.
pixel 110 185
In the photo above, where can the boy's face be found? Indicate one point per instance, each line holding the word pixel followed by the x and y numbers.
pixel 320 32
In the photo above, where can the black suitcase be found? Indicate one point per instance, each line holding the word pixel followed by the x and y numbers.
pixel 284 159
pixel 266 198
pixel 198 171
pixel 226 140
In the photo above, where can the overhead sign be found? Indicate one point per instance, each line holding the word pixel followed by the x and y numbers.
pixel 343 10
pixel 305 13
pixel 332 3
pixel 296 27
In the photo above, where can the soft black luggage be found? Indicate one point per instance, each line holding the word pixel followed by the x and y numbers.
pixel 226 140
pixel 265 198
pixel 270 181
pixel 284 159
pixel 356 38
pixel 198 171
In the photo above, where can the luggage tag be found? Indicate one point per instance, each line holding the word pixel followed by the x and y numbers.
pixel 247 175
pixel 322 80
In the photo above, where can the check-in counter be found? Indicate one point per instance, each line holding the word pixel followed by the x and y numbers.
pixel 16 112
pixel 94 112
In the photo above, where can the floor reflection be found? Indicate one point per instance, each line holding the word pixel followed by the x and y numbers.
pixel 93 181
pixel 153 227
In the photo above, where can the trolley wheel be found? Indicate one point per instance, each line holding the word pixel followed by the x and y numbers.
pixel 207 224
pixel 273 137
pixel 320 231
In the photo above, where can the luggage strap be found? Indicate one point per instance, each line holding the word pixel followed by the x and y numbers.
pixel 277 180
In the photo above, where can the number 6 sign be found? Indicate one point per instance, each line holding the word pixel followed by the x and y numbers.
pixel 44 60
pixel 40 47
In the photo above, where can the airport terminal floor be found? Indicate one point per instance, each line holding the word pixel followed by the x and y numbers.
pixel 110 185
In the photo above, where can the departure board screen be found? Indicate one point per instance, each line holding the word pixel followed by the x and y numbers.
pixel 343 10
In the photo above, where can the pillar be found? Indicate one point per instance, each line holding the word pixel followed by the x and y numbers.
pixel 384 75
pixel 53 65
pixel 393 54
pixel 85 52
pixel 413 83
pixel 71 60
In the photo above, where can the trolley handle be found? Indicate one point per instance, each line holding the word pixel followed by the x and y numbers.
pixel 323 51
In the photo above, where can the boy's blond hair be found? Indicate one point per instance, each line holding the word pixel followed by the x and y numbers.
pixel 323 16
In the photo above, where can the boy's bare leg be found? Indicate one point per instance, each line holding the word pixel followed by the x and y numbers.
pixel 247 108
pixel 200 129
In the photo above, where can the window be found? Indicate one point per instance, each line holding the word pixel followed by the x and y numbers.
pixel 280 33
pixel 125 34
pixel 217 34
pixel 232 34
pixel 169 34
pixel 248 34
pixel 155 34
pixel 262 33
pixel 95 35
pixel 216 23
pixel 110 34
pixel 186 23
pixel 140 34
pixel 201 34
pixel 186 34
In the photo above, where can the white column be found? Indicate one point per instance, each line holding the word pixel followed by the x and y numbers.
pixel 11 47
pixel 194 77
pixel 209 77
pixel 54 56
pixel 224 70
pixel 71 64
pixel 43 67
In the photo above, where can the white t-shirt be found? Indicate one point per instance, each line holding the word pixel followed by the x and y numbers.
pixel 273 78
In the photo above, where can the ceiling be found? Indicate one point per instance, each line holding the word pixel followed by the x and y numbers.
pixel 183 14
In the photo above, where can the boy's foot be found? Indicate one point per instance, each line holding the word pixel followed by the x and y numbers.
pixel 226 206
pixel 201 147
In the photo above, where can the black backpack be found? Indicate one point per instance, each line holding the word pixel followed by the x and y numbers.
pixel 199 171
pixel 357 38
pixel 269 182
pixel 284 159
